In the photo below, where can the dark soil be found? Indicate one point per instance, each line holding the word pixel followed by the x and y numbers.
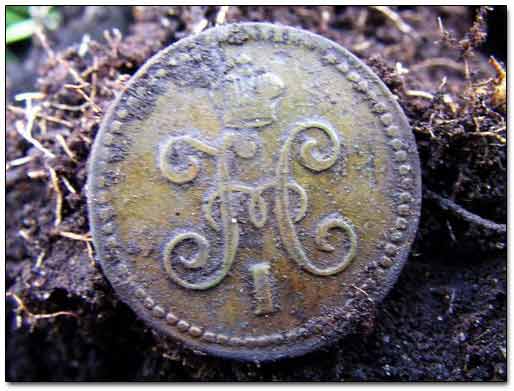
pixel 444 320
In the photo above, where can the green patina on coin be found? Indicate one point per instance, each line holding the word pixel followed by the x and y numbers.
pixel 254 191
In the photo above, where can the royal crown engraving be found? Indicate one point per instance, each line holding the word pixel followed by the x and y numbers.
pixel 249 99
pixel 248 95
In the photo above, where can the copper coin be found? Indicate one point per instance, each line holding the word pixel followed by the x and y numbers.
pixel 254 191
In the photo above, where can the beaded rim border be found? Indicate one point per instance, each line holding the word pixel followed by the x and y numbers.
pixel 394 252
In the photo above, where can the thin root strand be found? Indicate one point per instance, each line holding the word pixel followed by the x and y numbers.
pixel 458 210
pixel 22 308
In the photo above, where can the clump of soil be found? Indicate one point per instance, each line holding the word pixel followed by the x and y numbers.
pixel 444 320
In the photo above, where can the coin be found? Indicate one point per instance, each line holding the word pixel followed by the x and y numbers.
pixel 254 192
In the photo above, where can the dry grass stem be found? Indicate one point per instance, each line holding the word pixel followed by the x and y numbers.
pixel 38 32
pixel 63 107
pixel 363 292
pixel 90 253
pixel 38 114
pixel 56 120
pixel 59 200
pixel 419 94
pixel 200 26
pixel 501 139
pixel 30 112
pixel 39 260
pixel 25 235
pixel 221 16
pixel 74 236
pixel 73 72
pixel 36 174
pixel 396 19
pixel 438 62
pixel 499 96
pixel 19 162
pixel 68 185
pixel 67 150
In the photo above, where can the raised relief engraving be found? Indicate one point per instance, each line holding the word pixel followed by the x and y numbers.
pixel 230 229
pixel 310 158
pixel 249 97
pixel 277 226
pixel 262 288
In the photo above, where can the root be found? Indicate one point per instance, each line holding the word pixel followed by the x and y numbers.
pixel 74 236
pixel 68 185
pixel 221 16
pixel 25 235
pixel 25 132
pixel 73 72
pixel 457 210
pixel 200 26
pixel 60 106
pixel 90 253
pixel 361 46
pixel 86 238
pixel 22 308
pixel 363 292
pixel 419 94
pixel 19 162
pixel 79 89
pixel 30 112
pixel 39 260
pixel 67 150
pixel 396 19
pixel 113 40
pixel 501 139
pixel 38 31
pixel 499 96
pixel 59 200
pixel 37 114
pixel 36 174
pixel 56 120
pixel 438 62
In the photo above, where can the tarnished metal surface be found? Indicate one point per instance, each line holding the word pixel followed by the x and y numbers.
pixel 254 191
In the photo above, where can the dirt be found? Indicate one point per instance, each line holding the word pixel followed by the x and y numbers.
pixel 444 320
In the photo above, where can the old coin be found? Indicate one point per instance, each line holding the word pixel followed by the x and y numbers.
pixel 254 191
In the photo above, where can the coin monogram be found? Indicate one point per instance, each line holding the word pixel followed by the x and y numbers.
pixel 254 191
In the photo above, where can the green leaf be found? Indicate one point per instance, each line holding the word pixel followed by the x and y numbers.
pixel 12 17
pixel 21 10
pixel 19 31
